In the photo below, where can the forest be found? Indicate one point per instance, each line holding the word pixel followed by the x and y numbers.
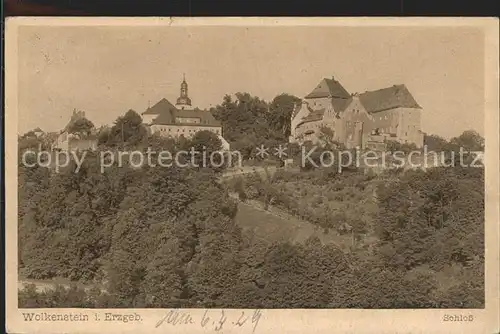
pixel 168 237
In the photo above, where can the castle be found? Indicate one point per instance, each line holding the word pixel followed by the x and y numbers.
pixel 181 120
pixel 367 120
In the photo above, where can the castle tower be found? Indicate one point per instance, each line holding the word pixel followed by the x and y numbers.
pixel 183 99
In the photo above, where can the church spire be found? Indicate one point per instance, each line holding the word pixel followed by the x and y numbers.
pixel 183 99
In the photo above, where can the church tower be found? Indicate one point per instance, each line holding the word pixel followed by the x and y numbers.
pixel 183 99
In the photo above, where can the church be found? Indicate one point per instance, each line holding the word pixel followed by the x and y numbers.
pixel 181 119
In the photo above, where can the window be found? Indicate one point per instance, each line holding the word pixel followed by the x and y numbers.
pixel 189 120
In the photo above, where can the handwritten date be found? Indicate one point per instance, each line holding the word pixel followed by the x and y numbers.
pixel 212 319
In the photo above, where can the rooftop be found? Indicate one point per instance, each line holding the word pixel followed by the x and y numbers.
pixel 328 88
pixel 168 114
pixel 397 96
pixel 338 104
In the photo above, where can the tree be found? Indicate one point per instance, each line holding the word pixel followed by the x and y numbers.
pixel 28 143
pixel 103 135
pixel 127 130
pixel 327 138
pixel 206 143
pixel 470 140
pixel 244 117
pixel 206 139
pixel 395 146
pixel 280 114
pixel 425 218
pixel 435 143
pixel 81 127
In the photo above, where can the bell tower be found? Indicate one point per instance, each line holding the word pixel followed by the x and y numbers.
pixel 183 99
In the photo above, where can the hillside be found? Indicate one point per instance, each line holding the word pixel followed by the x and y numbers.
pixel 274 225
pixel 176 237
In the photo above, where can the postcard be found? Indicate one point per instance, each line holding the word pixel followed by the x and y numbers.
pixel 252 175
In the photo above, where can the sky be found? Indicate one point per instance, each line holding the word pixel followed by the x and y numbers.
pixel 105 71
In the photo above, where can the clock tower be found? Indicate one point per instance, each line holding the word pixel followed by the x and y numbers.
pixel 183 101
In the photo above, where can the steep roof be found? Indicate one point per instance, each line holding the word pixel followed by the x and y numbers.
pixel 160 107
pixel 388 98
pixel 37 130
pixel 168 113
pixel 166 117
pixel 328 88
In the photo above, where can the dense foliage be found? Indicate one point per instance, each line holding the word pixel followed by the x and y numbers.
pixel 81 127
pixel 249 122
pixel 469 140
pixel 168 237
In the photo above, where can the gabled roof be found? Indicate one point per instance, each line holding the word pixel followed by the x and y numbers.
pixel 160 107
pixel 397 96
pixel 37 130
pixel 328 88
pixel 168 113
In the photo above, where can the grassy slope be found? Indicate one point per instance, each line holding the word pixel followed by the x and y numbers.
pixel 345 200
pixel 270 227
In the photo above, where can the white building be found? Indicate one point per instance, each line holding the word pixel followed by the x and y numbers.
pixel 180 120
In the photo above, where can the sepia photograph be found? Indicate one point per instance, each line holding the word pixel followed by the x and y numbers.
pixel 217 172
